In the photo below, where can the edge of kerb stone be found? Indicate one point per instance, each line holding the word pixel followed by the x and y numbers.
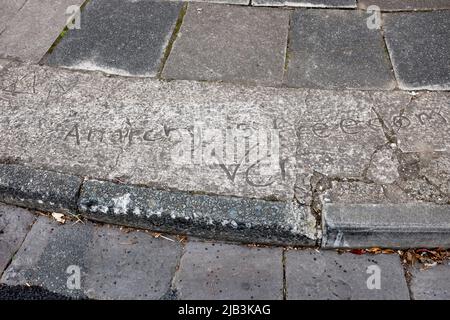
pixel 39 189
pixel 219 217
pixel 400 226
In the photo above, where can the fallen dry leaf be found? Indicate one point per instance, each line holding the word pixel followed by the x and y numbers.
pixel 59 217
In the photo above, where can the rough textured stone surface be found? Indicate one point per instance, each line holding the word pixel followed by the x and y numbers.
pixel 419 47
pixel 400 5
pixel 334 49
pixel 14 226
pixel 34 28
pixel 327 275
pixel 221 271
pixel 113 264
pixel 137 131
pixel 37 189
pixel 3 64
pixel 9 10
pixel 215 217
pixel 230 44
pixel 431 284
pixel 386 225
pixel 129 40
pixel 307 3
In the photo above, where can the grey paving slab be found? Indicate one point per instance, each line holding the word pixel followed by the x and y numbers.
pixel 327 275
pixel 37 189
pixel 230 43
pixel 32 31
pixel 334 49
pixel 239 2
pixel 229 218
pixel 222 271
pixel 112 264
pixel 14 226
pixel 9 10
pixel 430 283
pixel 308 3
pixel 119 37
pixel 419 49
pixel 401 5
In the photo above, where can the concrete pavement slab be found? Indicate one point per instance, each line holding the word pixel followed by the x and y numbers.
pixel 119 37
pixel 419 49
pixel 230 43
pixel 334 49
pixel 222 271
pixel 327 275
pixel 430 283
pixel 14 226
pixel 307 3
pixel 9 10
pixel 99 262
pixel 34 29
pixel 401 5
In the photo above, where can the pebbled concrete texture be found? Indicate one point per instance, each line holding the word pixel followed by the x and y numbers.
pixel 230 43
pixel 418 45
pixel 230 272
pixel 334 49
pixel 401 5
pixel 325 275
pixel 14 226
pixel 32 30
pixel 130 40
pixel 38 189
pixel 205 216
pixel 308 3
pixel 432 283
pixel 112 264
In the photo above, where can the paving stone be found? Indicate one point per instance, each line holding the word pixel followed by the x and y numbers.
pixel 308 3
pixel 4 63
pixel 240 2
pixel 432 283
pixel 129 40
pixel 9 10
pixel 230 272
pixel 418 45
pixel 327 275
pixel 400 5
pixel 32 31
pixel 334 49
pixel 37 189
pixel 406 225
pixel 229 218
pixel 230 44
pixel 112 264
pixel 14 226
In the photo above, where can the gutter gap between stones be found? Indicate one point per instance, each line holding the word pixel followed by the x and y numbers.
pixel 172 39
pixel 19 247
pixel 387 52
pixel 283 261
pixel 288 43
